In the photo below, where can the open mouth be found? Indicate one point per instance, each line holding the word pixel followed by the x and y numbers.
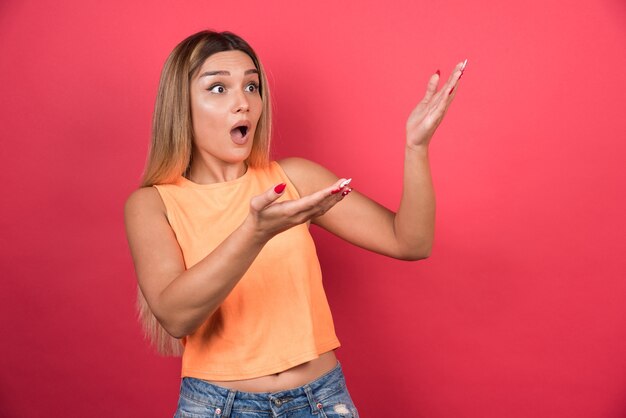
pixel 243 130
pixel 238 133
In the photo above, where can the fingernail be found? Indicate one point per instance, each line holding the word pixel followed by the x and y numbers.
pixel 451 91
pixel 335 191
pixel 345 183
pixel 345 192
pixel 279 189
pixel 464 64
pixel 438 73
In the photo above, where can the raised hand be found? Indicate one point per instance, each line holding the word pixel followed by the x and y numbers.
pixel 269 218
pixel 428 114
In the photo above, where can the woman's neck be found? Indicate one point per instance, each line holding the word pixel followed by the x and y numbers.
pixel 202 173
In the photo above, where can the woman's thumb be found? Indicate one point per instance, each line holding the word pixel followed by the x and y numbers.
pixel 262 201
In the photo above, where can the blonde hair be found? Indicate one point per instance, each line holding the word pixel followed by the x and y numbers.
pixel 170 151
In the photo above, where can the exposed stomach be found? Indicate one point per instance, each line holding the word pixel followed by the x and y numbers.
pixel 288 379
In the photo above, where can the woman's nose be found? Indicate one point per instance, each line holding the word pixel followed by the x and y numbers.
pixel 241 103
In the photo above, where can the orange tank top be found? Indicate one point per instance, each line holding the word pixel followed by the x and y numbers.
pixel 277 316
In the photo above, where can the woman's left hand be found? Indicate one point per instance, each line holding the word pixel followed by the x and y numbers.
pixel 428 114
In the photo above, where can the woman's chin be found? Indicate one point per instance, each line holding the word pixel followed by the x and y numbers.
pixel 238 156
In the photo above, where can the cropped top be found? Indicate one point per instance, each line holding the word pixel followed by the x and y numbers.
pixel 277 316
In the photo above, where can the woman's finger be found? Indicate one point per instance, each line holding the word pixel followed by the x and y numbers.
pixel 431 88
pixel 443 97
pixel 333 193
pixel 453 89
pixel 339 186
pixel 262 201
pixel 452 79
pixel 328 201
pixel 323 200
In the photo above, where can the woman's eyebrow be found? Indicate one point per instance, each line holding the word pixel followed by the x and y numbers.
pixel 223 72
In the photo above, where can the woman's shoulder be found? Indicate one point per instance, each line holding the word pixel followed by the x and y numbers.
pixel 144 200
pixel 295 163
pixel 306 175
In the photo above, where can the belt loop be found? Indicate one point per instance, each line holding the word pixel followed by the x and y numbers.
pixel 230 400
pixel 312 403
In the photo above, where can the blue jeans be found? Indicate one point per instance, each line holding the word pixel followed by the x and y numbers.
pixel 326 396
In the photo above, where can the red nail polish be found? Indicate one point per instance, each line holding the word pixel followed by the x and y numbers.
pixel 335 191
pixel 345 192
pixel 279 189
pixel 451 91
pixel 438 73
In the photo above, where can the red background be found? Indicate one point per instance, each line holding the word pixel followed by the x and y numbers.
pixel 520 310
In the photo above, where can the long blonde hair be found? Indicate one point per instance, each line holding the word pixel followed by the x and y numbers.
pixel 170 151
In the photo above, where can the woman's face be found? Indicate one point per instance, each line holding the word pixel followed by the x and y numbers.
pixel 225 107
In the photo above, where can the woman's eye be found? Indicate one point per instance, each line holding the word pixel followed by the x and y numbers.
pixel 218 88
pixel 251 88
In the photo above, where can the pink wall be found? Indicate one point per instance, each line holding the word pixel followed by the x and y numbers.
pixel 518 313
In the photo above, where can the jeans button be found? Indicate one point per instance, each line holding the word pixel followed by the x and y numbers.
pixel 277 402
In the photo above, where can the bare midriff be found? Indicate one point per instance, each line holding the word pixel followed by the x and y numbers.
pixel 288 379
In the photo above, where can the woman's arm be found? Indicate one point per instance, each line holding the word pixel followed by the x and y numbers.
pixel 407 234
pixel 182 299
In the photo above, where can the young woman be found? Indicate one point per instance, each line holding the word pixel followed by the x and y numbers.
pixel 226 267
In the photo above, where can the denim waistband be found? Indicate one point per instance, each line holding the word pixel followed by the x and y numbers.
pixel 226 400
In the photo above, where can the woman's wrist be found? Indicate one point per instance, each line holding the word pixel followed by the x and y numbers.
pixel 252 233
pixel 420 151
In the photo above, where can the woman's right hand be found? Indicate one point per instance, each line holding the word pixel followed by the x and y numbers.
pixel 268 218
pixel 182 297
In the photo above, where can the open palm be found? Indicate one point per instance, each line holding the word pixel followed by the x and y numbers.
pixel 428 114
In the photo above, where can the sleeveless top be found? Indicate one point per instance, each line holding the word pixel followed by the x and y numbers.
pixel 277 316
